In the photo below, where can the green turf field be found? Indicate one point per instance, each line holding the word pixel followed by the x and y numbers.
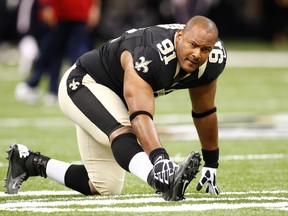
pixel 252 107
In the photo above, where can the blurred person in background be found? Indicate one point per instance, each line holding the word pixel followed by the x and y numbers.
pixel 68 25
pixel 182 10
pixel 27 25
pixel 122 15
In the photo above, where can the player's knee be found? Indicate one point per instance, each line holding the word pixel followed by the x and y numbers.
pixel 112 189
pixel 122 130
pixel 93 189
pixel 107 188
pixel 109 180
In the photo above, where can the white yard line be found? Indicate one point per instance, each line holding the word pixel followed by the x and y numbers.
pixel 102 204
pixel 144 209
pixel 64 192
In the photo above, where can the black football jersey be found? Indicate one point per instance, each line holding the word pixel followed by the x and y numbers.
pixel 155 60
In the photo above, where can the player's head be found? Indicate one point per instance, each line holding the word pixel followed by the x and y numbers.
pixel 195 42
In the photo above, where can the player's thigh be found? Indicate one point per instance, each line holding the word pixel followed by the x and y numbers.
pixel 94 107
pixel 109 101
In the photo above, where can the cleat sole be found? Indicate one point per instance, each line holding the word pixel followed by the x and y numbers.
pixel 189 170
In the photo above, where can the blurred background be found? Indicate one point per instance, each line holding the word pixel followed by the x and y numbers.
pixel 248 22
pixel 265 20
pixel 255 33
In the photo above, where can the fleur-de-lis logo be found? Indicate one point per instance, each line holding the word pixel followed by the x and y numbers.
pixel 74 85
pixel 142 64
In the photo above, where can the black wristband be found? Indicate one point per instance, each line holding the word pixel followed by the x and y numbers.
pixel 211 158
pixel 133 115
pixel 204 114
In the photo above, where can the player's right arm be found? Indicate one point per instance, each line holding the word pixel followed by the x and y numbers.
pixel 139 97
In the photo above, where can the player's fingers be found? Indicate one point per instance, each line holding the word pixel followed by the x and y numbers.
pixel 199 187
pixel 217 191
pixel 201 182
pixel 207 189
pixel 212 189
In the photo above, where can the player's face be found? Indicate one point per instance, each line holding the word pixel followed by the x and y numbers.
pixel 193 47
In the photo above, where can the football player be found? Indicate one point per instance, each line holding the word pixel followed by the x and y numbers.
pixel 110 93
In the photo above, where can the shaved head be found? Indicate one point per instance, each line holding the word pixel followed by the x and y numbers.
pixel 195 42
pixel 207 24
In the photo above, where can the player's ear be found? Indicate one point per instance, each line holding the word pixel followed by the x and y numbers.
pixel 179 35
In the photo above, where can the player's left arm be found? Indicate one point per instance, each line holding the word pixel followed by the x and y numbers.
pixel 206 123
pixel 202 99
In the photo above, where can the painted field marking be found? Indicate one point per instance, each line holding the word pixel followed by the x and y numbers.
pixel 70 192
pixel 142 209
pixel 111 203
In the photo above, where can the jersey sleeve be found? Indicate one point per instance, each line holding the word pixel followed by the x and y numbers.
pixel 217 60
pixel 147 64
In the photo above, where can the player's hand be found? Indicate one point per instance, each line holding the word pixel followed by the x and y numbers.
pixel 208 177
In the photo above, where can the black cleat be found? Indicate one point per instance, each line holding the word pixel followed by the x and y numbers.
pixel 183 175
pixel 162 174
pixel 23 164
pixel 16 174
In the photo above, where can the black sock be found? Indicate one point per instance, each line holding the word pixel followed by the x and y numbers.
pixel 158 154
pixel 76 178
